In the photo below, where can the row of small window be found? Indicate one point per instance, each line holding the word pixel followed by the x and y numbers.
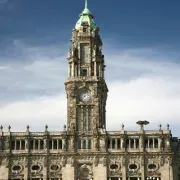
pixel 35 179
pixel 133 178
pixel 53 144
pixel 84 144
pixel 36 144
pixel 131 143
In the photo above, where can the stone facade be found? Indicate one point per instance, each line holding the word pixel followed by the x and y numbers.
pixel 85 150
pixel 118 155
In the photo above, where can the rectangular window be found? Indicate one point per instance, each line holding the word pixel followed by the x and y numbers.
pixel 89 144
pixel 84 53
pixel 83 72
pixel 84 118
pixel 84 143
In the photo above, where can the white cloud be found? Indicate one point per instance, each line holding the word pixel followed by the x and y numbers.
pixel 142 85
pixel 153 99
pixel 3 67
pixel 36 112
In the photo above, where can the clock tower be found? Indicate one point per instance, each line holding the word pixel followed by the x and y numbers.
pixel 85 86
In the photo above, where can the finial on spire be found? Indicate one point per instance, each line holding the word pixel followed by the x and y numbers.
pixel 86 3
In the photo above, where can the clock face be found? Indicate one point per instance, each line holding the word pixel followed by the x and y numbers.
pixel 85 96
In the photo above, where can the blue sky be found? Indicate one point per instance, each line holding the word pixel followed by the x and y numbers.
pixel 135 23
pixel 141 44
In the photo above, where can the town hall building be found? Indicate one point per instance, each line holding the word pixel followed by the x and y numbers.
pixel 84 149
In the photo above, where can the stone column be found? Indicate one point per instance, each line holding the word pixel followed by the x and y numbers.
pixel 26 172
pixel 27 145
pixel 148 144
pixel 39 144
pixel 87 140
pixel 153 144
pixel 82 143
pixel 95 73
pixel 142 168
pixel 20 145
pixel 110 143
pixel 15 142
pixel 116 144
pixel 134 143
pixel 52 144
pixel 124 177
pixel 72 69
pixel 45 175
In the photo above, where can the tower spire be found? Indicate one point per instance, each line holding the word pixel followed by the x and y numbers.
pixel 86 3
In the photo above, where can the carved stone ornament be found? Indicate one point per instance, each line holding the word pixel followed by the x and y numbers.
pixel 36 168
pixel 170 161
pixel 45 159
pixel 72 161
pixel 161 161
pixel 55 167
pixel 96 142
pixel 123 161
pixel 85 171
pixel 16 168
pixel 133 167
pixel 168 143
pixel 142 161
pixel 6 144
pixel 114 167
pixel 151 166
pixel 96 161
pixel 26 162
pixel 104 161
pixel 5 162
pixel 102 143
pixel 63 161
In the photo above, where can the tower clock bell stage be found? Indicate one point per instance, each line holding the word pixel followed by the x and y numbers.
pixel 85 86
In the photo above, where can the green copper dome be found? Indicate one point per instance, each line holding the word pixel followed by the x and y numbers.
pixel 86 19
